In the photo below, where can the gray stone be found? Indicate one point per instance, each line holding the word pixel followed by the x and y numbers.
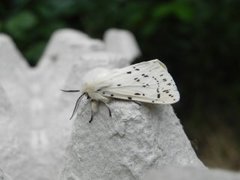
pixel 68 41
pixel 103 59
pixel 4 176
pixel 13 72
pixel 5 107
pixel 189 173
pixel 11 158
pixel 10 53
pixel 27 142
pixel 122 42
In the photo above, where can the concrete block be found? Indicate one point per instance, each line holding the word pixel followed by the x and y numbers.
pixel 4 176
pixel 14 71
pixel 189 173
pixel 68 41
pixel 122 42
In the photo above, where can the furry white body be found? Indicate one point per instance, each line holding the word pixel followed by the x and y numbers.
pixel 92 81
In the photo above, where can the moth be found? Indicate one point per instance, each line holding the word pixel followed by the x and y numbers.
pixel 145 82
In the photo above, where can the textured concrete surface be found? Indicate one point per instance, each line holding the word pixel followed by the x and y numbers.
pixel 135 139
pixel 7 45
pixel 68 41
pixel 5 107
pixel 122 42
pixel 189 173
pixel 37 140
pixel 4 176
pixel 13 71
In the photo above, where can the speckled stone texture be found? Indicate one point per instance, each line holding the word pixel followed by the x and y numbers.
pixel 122 42
pixel 37 140
pixel 4 176
pixel 135 139
pixel 189 173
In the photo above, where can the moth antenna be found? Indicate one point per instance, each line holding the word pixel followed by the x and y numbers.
pixel 76 105
pixel 69 90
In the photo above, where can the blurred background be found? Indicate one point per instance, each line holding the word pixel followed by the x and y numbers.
pixel 199 41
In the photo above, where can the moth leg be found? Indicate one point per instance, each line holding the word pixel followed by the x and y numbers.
pixel 138 103
pixel 76 105
pixel 94 109
pixel 91 117
pixel 109 110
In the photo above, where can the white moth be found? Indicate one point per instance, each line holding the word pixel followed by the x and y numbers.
pixel 147 82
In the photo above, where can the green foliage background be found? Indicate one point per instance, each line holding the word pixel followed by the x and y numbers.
pixel 198 40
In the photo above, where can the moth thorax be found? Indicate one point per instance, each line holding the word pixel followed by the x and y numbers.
pixel 89 88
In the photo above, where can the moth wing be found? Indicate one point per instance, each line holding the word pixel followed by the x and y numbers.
pixel 147 82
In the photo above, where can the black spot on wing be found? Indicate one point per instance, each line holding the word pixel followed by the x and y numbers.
pixel 145 75
pixel 118 84
pixel 158 96
pixel 129 98
pixel 166 91
pixel 145 85
pixel 129 72
pixel 137 79
pixel 136 69
pixel 137 94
